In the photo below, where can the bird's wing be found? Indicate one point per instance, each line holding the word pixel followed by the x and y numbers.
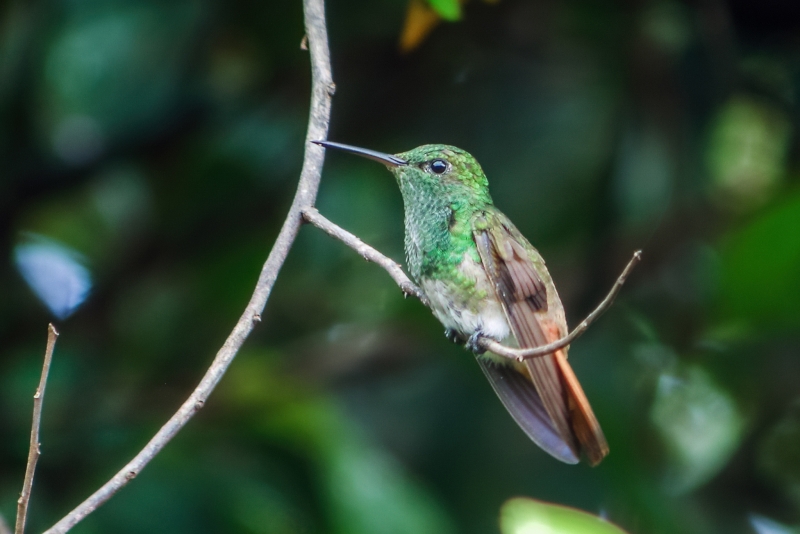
pixel 523 286
pixel 524 404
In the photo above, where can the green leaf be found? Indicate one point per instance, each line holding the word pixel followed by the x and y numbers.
pixel 522 515
pixel 758 278
pixel 447 9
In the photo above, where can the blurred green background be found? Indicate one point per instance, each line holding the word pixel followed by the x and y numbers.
pixel 150 150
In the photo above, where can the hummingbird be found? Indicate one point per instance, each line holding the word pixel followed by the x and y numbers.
pixel 483 279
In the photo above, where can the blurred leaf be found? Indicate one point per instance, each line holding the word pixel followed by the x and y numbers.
pixel 366 490
pixel 447 9
pixel 759 278
pixel 522 515
pixel 699 424
pixel 420 22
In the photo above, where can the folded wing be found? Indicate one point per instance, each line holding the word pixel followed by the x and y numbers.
pixel 524 404
pixel 509 263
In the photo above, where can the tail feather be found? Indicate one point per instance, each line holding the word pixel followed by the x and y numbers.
pixel 584 423
pixel 522 401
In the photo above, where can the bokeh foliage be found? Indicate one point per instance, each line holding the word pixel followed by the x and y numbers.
pixel 160 142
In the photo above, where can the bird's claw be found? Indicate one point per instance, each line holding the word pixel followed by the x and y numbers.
pixel 452 335
pixel 473 343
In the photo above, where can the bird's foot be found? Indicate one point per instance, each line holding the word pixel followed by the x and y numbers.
pixel 473 343
pixel 453 335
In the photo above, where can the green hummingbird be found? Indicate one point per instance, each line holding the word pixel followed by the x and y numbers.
pixel 484 279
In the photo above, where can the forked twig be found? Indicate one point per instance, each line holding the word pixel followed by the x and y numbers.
pixel 33 450
pixel 409 288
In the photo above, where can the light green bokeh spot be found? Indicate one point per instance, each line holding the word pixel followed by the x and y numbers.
pixel 447 9
pixel 699 425
pixel 522 515
pixel 747 152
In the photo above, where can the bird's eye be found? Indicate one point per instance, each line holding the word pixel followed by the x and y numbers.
pixel 438 166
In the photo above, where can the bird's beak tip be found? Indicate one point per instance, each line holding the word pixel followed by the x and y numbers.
pixel 387 159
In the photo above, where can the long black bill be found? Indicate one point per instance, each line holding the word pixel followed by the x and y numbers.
pixel 387 159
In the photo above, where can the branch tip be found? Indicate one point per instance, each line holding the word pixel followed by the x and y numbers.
pixel 34 448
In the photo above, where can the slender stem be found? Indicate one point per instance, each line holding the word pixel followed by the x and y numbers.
pixel 308 185
pixel 367 252
pixel 543 350
pixel 409 288
pixel 33 450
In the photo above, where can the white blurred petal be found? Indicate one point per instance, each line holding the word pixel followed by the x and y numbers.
pixel 764 525
pixel 55 274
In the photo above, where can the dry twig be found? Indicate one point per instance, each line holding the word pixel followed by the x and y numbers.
pixel 367 252
pixel 319 115
pixel 33 450
pixel 409 288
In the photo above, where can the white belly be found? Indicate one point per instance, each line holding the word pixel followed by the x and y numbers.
pixel 465 311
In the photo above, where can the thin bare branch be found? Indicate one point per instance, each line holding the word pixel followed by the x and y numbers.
pixel 409 288
pixel 367 252
pixel 34 450
pixel 543 350
pixel 319 116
